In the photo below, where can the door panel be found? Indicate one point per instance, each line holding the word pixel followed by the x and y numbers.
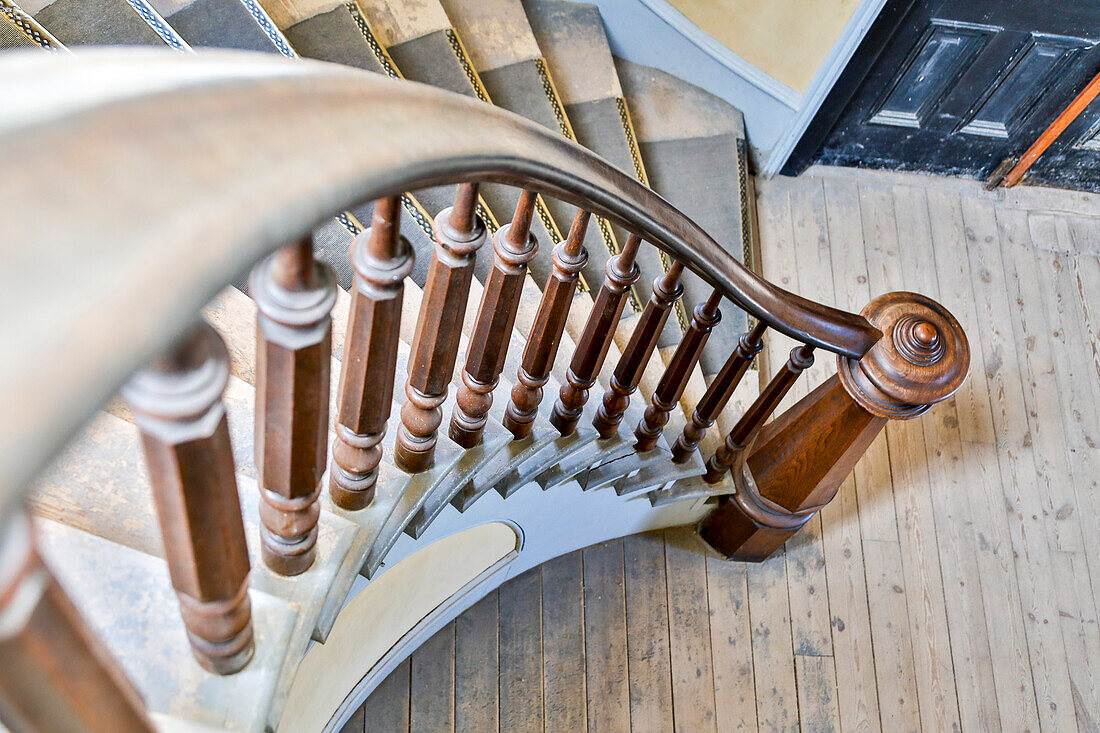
pixel 935 64
pixel 1019 90
pixel 964 84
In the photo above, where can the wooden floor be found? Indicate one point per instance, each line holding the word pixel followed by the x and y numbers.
pixel 950 584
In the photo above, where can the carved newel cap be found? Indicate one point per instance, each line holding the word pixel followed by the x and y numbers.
pixel 921 359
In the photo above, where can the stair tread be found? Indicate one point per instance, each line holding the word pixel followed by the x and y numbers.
pixel 496 32
pixel 403 21
pixel 438 56
pixel 666 107
pixel 344 35
pixel 127 599
pixel 693 145
pixel 338 33
pixel 492 54
pixel 223 24
pixel 571 37
pixel 79 22
pixel 19 29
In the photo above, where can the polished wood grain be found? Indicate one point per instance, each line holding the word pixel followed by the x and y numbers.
pixel 459 233
pixel 177 405
pixel 294 295
pixel 667 289
pixel 800 359
pixel 546 331
pixel 382 261
pixel 599 331
pixel 56 675
pixel 513 247
pixel 797 462
pixel 719 391
pixel 671 386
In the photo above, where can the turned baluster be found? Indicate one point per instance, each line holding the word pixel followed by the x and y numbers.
pixel 719 392
pixel 55 675
pixel 569 259
pixel 799 460
pixel 801 359
pixel 513 248
pixel 294 294
pixel 177 405
pixel 628 372
pixel 596 338
pixel 458 235
pixel 668 391
pixel 382 260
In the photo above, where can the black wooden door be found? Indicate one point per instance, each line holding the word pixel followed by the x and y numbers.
pixel 964 84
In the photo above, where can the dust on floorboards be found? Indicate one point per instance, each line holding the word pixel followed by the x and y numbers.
pixel 949 584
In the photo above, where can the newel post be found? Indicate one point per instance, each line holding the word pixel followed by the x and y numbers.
pixel 798 461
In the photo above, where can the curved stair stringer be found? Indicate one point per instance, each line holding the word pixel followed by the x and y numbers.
pixel 429 581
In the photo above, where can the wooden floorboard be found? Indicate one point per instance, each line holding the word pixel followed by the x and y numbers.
pixel 954 582
pixel 563 674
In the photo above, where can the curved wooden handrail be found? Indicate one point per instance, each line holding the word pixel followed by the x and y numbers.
pixel 149 180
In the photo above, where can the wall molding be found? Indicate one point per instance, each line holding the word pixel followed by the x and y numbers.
pixel 654 33
pixel 822 83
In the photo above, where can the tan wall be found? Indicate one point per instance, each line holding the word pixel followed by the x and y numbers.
pixel 786 39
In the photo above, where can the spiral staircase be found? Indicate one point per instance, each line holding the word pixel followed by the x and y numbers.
pixel 279 550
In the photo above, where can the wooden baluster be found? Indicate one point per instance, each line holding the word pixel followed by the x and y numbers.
pixel 704 318
pixel 177 405
pixel 801 359
pixel 294 294
pixel 458 235
pixel 55 675
pixel 798 461
pixel 592 348
pixel 513 247
pixel 382 260
pixel 719 392
pixel 569 259
pixel 628 372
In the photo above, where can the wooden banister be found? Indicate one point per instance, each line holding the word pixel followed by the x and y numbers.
pixel 596 338
pixel 382 260
pixel 671 386
pixel 177 405
pixel 544 337
pixel 294 294
pixel 801 359
pixel 718 394
pixel 799 460
pixel 458 235
pixel 55 675
pixel 667 289
pixel 513 247
pixel 373 141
